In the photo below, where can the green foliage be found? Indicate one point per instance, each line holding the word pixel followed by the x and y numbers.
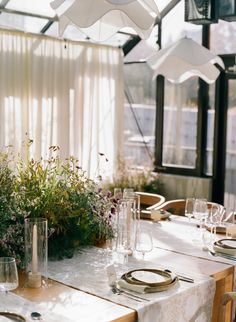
pixel 142 179
pixel 78 211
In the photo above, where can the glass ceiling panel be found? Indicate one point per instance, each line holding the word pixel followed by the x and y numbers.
pixel 24 23
pixel 144 48
pixel 161 4
pixel 40 7
pixel 174 27
pixel 73 33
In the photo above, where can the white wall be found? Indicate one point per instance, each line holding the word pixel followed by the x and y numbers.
pixel 178 187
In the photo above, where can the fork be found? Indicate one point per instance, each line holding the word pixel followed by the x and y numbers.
pixel 227 256
pixel 128 294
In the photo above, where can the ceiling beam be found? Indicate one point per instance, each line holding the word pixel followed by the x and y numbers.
pixel 166 10
pixel 34 15
pixel 130 44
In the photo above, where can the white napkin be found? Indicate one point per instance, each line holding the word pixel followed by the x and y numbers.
pixel 132 287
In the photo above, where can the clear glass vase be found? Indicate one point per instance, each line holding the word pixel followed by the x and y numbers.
pixel 36 251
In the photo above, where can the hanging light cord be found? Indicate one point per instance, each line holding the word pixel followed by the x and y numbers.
pixel 129 99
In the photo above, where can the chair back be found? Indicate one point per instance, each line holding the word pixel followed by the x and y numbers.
pixel 150 199
pixel 177 206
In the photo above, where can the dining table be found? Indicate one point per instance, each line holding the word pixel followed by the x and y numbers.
pixel 77 289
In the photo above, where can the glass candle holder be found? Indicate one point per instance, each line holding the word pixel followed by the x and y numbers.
pixel 36 251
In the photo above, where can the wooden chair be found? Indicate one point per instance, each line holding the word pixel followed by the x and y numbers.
pixel 227 299
pixel 177 206
pixel 150 199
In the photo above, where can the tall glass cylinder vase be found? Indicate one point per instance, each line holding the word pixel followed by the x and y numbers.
pixel 36 251
pixel 127 219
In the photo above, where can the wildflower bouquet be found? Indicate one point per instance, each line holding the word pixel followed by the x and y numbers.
pixel 78 211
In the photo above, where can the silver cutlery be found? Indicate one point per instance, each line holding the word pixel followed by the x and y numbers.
pixel 185 279
pixel 128 294
pixel 182 277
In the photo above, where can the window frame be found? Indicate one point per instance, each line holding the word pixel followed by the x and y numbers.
pixel 203 103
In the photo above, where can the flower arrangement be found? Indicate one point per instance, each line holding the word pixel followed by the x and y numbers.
pixel 140 179
pixel 79 212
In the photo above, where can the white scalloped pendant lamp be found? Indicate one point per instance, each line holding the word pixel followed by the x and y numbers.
pixel 101 19
pixel 185 59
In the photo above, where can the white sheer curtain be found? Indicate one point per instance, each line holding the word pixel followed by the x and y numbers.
pixel 61 93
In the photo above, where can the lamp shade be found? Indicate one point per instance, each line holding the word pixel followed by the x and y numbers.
pixel 185 59
pixel 102 19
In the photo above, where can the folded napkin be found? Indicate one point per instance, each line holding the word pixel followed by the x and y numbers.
pixel 132 287
pixel 144 288
pixel 159 214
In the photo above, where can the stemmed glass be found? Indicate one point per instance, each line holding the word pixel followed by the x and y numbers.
pixel 143 242
pixel 200 213
pixel 8 274
pixel 189 208
pixel 214 218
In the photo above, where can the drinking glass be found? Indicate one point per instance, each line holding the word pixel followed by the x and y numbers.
pixel 189 208
pixel 200 211
pixel 124 228
pixel 143 242
pixel 118 193
pixel 8 274
pixel 229 224
pixel 128 193
pixel 214 218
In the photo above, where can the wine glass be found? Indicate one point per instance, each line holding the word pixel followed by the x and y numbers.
pixel 189 208
pixel 8 274
pixel 200 211
pixel 143 242
pixel 214 218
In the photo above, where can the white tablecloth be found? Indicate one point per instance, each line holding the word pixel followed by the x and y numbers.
pixel 183 302
pixel 19 305
pixel 183 237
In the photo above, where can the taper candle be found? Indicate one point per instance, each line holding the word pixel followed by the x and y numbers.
pixel 35 250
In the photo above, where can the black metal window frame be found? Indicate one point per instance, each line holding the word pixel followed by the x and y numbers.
pixel 203 103
pixel 220 134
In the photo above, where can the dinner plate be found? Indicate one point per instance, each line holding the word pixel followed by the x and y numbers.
pixel 149 277
pixel 11 316
pixel 145 288
pixel 227 246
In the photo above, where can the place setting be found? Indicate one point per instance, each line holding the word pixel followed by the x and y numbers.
pixel 135 283
pixel 224 248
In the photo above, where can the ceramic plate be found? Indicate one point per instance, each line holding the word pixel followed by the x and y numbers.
pixel 227 246
pixel 226 243
pixel 149 277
